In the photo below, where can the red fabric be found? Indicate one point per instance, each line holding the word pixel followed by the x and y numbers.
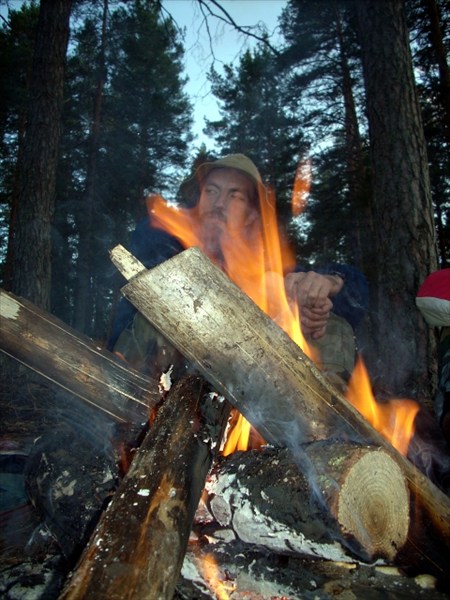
pixel 436 285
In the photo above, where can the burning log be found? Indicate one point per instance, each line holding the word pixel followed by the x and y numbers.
pixel 73 361
pixel 367 494
pixel 138 547
pixel 262 535
pixel 266 376
pixel 367 514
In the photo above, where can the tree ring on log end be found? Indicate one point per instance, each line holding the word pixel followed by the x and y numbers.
pixel 374 505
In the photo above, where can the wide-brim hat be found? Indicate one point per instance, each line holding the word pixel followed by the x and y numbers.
pixel 190 188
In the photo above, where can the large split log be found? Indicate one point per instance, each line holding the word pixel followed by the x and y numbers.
pixel 266 376
pixel 138 547
pixel 74 362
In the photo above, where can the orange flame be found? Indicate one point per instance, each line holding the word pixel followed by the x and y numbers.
pixel 393 419
pixel 302 185
pixel 257 267
pixel 211 573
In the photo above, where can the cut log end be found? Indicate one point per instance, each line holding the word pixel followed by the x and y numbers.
pixel 373 506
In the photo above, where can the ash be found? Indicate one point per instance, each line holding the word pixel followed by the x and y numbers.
pixel 264 550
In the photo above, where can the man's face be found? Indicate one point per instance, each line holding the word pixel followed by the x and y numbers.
pixel 226 209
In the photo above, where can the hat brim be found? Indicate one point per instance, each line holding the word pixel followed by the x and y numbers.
pixel 190 188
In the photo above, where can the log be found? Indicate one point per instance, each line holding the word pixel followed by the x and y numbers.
pixel 366 493
pixel 263 498
pixel 138 547
pixel 266 376
pixel 73 361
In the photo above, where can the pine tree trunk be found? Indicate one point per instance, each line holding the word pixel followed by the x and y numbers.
pixel 84 300
pixel 362 230
pixel 437 42
pixel 406 244
pixel 37 171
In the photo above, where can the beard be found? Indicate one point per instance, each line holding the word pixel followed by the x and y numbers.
pixel 213 227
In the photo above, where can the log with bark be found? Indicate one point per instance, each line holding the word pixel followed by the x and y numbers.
pixel 138 547
pixel 262 534
pixel 265 375
pixel 74 362
pixel 368 515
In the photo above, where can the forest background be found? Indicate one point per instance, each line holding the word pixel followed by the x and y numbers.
pixel 94 116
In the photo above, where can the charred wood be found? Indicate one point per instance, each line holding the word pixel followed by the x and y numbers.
pixel 266 376
pixel 138 547
pixel 356 498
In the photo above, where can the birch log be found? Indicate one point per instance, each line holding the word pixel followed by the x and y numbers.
pixel 266 376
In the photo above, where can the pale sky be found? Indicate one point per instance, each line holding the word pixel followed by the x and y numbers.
pixel 227 44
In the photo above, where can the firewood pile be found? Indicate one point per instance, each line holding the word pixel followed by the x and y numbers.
pixel 102 505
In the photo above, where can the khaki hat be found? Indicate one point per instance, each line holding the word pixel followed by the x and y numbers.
pixel 190 189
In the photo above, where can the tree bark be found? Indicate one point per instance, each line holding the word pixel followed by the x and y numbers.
pixel 362 231
pixel 138 547
pixel 292 511
pixel 84 300
pixel 265 375
pixel 406 243
pixel 32 241
pixel 74 362
pixel 441 54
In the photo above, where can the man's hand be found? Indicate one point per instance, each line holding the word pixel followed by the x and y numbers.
pixel 312 292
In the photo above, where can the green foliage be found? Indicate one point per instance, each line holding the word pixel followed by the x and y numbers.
pixel 323 82
pixel 141 145
pixel 16 48
pixel 256 122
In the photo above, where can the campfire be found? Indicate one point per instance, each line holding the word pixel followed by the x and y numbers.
pixel 329 495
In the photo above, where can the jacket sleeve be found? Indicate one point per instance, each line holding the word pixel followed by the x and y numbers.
pixel 151 246
pixel 353 300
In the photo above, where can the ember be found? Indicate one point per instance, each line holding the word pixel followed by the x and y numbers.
pixel 219 587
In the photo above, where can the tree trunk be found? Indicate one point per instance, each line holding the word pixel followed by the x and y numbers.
pixel 406 244
pixel 84 298
pixel 32 242
pixel 362 231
